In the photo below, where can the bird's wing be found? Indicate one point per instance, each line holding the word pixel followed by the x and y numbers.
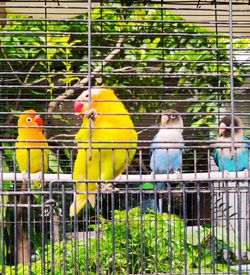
pixel 152 146
pixel 46 159
pixel 183 149
pixel 82 134
pixel 216 156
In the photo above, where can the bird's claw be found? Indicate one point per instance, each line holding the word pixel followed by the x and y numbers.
pixel 178 175
pixel 246 173
pixel 226 174
pixel 118 178
pixel 91 113
pixel 38 183
pixel 40 176
pixel 108 188
pixel 152 175
pixel 24 176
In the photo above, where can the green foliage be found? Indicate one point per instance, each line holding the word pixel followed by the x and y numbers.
pixel 7 213
pixel 193 61
pixel 4 199
pixel 34 40
pixel 151 238
pixel 197 57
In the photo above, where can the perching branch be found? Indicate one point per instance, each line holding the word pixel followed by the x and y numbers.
pixel 80 83
pixel 22 240
pixel 12 69
pixel 187 177
pixel 61 135
pixel 156 126
pixel 10 117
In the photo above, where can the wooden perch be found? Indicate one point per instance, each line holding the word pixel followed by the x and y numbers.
pixel 186 177
pixel 22 240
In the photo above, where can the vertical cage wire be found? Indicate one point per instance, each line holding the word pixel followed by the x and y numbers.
pixel 152 213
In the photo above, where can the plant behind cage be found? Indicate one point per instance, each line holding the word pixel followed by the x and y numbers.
pixel 145 211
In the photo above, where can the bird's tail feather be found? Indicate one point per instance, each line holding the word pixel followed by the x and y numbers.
pixel 80 202
pixel 77 205
pixel 91 199
pixel 81 199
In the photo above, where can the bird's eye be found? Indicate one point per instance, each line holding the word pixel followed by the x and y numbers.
pixel 87 95
pixel 28 119
pixel 172 116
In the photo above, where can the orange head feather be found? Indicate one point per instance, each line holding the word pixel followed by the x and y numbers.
pixel 31 120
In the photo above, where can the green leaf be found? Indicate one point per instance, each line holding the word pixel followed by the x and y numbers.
pixel 61 118
pixel 54 166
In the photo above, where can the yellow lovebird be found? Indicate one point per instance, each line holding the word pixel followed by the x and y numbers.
pixel 112 131
pixel 30 134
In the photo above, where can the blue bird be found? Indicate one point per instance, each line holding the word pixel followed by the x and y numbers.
pixel 226 157
pixel 166 149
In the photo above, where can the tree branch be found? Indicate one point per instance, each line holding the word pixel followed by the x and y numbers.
pixel 10 117
pixel 9 64
pixel 80 83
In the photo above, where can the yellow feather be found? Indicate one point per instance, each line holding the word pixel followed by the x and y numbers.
pixel 113 134
pixel 29 158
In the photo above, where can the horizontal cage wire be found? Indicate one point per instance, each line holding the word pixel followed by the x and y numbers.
pixel 124 143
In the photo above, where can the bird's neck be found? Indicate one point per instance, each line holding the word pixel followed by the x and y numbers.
pixel 112 112
pixel 165 134
pixel 176 131
pixel 114 107
pixel 30 133
pixel 238 136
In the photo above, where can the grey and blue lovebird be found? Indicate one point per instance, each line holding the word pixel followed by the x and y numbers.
pixel 226 157
pixel 167 147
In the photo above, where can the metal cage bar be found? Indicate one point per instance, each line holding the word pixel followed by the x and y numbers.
pixel 128 185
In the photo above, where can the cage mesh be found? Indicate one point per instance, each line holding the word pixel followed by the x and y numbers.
pixel 191 216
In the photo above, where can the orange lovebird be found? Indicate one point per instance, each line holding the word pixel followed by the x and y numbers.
pixel 113 143
pixel 30 134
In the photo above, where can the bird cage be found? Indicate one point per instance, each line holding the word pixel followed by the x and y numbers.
pixel 124 142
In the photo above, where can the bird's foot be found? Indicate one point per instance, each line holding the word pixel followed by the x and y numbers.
pixel 178 174
pixel 226 174
pixel 24 180
pixel 40 179
pixel 40 176
pixel 246 173
pixel 24 176
pixel 118 178
pixel 91 113
pixel 108 188
pixel 152 175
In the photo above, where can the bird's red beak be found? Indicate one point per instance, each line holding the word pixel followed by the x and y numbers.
pixel 78 107
pixel 38 120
